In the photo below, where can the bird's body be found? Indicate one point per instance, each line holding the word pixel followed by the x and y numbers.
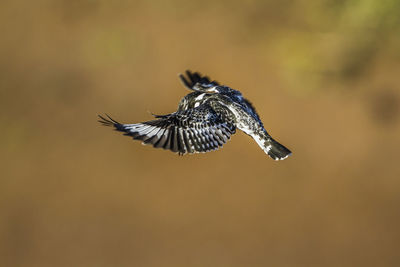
pixel 204 121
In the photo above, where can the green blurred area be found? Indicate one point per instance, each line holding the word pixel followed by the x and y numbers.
pixel 323 75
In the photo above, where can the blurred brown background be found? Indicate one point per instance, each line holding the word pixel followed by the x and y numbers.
pixel 323 75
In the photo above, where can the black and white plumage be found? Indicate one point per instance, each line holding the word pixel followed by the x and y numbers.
pixel 205 120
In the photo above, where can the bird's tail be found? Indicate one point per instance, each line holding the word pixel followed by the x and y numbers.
pixel 271 147
pixel 275 150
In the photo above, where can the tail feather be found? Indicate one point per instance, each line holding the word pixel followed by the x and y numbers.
pixel 275 150
pixel 271 147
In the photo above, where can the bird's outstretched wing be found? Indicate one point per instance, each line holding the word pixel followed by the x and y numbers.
pixel 194 78
pixel 190 131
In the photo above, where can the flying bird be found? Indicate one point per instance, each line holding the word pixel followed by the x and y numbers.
pixel 205 120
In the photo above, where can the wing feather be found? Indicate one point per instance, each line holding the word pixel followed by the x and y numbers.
pixel 195 130
pixel 196 77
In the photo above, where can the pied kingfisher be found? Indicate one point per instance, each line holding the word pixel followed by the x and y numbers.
pixel 204 121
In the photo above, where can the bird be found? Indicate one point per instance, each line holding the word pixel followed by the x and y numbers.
pixel 205 120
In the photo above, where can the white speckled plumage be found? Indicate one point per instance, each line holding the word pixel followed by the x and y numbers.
pixel 204 121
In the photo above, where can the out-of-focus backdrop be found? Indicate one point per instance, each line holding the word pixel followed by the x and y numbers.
pixel 323 75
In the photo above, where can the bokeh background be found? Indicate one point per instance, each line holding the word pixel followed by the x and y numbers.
pixel 323 75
